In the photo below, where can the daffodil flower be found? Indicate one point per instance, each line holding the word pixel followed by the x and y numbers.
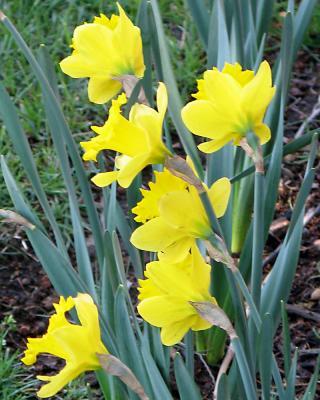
pixel 76 344
pixel 230 104
pixel 166 294
pixel 105 51
pixel 138 138
pixel 178 216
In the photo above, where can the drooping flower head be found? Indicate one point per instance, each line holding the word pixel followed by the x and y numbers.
pixel 105 51
pixel 76 344
pixel 230 104
pixel 166 294
pixel 175 216
pixel 138 138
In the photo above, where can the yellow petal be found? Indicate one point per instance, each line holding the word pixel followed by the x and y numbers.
pixel 105 178
pixel 127 174
pixel 56 382
pixel 173 333
pixel 202 119
pixel 263 132
pixel 162 99
pixel 155 235
pixel 258 93
pixel 148 207
pixel 235 70
pixel 219 194
pixel 189 218
pixel 200 324
pixel 93 54
pixel 127 43
pixel 101 90
pixel 214 145
pixel 200 272
pixel 164 310
pixel 177 251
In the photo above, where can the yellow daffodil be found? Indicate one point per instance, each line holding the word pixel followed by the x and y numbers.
pixel 105 51
pixel 139 139
pixel 76 344
pixel 166 293
pixel 176 216
pixel 229 104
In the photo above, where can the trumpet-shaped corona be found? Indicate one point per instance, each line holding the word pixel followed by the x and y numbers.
pixel 105 51
pixel 175 216
pixel 76 344
pixel 138 139
pixel 229 104
pixel 166 294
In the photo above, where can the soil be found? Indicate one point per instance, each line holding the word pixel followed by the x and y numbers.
pixel 26 293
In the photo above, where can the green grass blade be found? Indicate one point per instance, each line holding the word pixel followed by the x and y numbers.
pixel 186 385
pixel 263 17
pixel 65 136
pixel 175 104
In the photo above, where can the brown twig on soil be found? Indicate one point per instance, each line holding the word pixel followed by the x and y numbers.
pixel 314 113
pixel 223 369
pixel 301 312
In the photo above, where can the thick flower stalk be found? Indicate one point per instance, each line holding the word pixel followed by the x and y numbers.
pixel 166 296
pixel 76 344
pixel 138 139
pixel 230 104
pixel 175 216
pixel 105 51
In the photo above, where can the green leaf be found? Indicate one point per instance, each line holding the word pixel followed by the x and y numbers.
pixel 186 385
pixel 291 380
pixel 159 387
pixel 127 342
pixel 223 392
pixel 200 15
pixel 310 393
pixel 218 50
pixel 265 355
pixel 286 339
pixel 22 148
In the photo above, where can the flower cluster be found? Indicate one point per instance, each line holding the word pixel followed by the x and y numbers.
pixel 229 105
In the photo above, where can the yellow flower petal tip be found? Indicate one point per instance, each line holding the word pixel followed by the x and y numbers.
pixel 76 344
pixel 168 228
pixel 166 294
pixel 104 51
pixel 229 104
pixel 138 139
